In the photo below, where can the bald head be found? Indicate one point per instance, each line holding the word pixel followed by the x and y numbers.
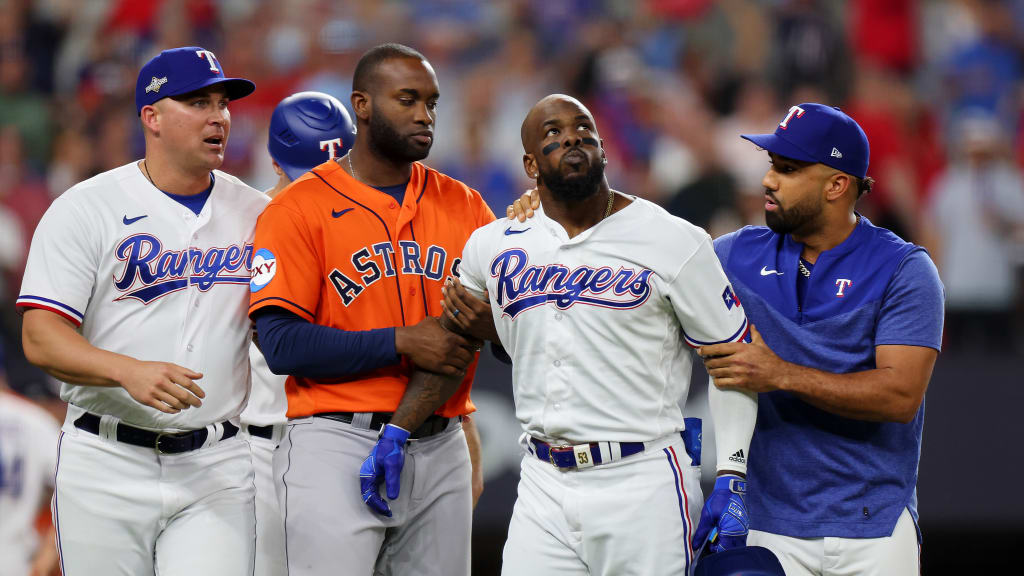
pixel 544 109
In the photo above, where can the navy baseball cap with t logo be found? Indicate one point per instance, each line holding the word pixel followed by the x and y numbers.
pixel 818 133
pixel 182 70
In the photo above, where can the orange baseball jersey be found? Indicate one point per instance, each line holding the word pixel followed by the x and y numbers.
pixel 339 253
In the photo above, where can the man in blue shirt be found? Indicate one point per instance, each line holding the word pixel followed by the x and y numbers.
pixel 848 323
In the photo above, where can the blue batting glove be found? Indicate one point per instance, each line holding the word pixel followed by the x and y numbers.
pixel 724 521
pixel 384 464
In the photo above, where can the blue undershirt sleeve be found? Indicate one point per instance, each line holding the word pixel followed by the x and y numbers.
pixel 294 346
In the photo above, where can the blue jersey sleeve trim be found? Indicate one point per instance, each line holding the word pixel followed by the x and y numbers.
pixel 54 302
pixel 261 300
pixel 736 336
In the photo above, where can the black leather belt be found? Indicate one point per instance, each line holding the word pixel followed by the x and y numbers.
pixel 162 442
pixel 266 432
pixel 434 424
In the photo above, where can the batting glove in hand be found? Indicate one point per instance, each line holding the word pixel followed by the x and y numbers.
pixel 384 464
pixel 724 522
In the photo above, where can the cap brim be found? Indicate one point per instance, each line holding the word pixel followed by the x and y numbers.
pixel 776 145
pixel 236 88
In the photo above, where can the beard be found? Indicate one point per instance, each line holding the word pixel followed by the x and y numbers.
pixel 796 218
pixel 387 142
pixel 574 187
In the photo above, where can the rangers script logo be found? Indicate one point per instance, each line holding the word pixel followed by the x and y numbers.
pixel 151 272
pixel 521 287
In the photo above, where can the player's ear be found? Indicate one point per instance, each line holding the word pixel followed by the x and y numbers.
pixel 277 167
pixel 361 104
pixel 837 185
pixel 530 165
pixel 604 156
pixel 150 117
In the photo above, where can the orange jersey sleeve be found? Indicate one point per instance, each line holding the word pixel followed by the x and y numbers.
pixel 339 253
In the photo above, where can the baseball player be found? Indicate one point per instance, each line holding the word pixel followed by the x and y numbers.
pixel 28 456
pixel 595 299
pixel 134 297
pixel 306 129
pixel 851 317
pixel 348 270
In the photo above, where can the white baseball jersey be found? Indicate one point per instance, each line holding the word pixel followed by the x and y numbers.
pixel 595 324
pixel 144 276
pixel 267 403
pixel 28 456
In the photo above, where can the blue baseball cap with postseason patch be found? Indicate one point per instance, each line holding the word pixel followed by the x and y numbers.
pixel 179 71
pixel 820 134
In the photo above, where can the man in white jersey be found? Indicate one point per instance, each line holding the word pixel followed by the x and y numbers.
pixel 135 298
pixel 595 299
pixel 306 129
pixel 28 454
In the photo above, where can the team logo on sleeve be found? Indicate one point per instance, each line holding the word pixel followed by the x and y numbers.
pixel 264 267
pixel 150 272
pixel 521 286
pixel 730 298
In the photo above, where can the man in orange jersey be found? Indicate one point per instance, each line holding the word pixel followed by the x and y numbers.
pixel 348 269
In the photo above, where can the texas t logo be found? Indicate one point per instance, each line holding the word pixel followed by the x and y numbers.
pixel 331 147
pixel 793 111
pixel 842 283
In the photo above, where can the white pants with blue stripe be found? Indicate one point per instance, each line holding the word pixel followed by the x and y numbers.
pixel 635 516
pixel 894 555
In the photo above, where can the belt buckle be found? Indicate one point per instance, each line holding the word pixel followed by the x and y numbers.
pixel 551 453
pixel 159 435
pixel 156 444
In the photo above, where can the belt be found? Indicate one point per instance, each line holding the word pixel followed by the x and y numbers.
pixel 162 442
pixel 266 432
pixel 584 455
pixel 434 424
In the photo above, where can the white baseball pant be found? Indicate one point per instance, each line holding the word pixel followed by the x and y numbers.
pixel 634 516
pixel 895 555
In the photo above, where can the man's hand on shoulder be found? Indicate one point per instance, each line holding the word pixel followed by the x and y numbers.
pixel 523 207
pixel 433 348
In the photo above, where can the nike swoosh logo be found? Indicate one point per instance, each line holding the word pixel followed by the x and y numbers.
pixel 509 231
pixel 338 213
pixel 128 220
pixel 765 271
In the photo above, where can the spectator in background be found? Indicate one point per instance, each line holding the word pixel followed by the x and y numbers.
pixel 985 74
pixel 756 112
pixel 976 235
pixel 709 199
pixel 28 457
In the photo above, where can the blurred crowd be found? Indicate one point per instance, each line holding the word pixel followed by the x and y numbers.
pixel 938 85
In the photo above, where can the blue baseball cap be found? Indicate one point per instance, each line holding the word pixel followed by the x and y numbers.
pixel 821 134
pixel 182 70
pixel 308 129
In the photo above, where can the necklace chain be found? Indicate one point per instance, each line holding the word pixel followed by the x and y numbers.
pixel 803 269
pixel 611 200
pixel 351 168
pixel 145 167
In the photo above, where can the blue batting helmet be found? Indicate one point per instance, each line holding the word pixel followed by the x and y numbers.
pixel 308 129
pixel 746 561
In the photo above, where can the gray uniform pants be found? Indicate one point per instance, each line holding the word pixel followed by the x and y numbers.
pixel 330 531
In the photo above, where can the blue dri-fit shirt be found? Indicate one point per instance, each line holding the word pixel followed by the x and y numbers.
pixel 811 473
